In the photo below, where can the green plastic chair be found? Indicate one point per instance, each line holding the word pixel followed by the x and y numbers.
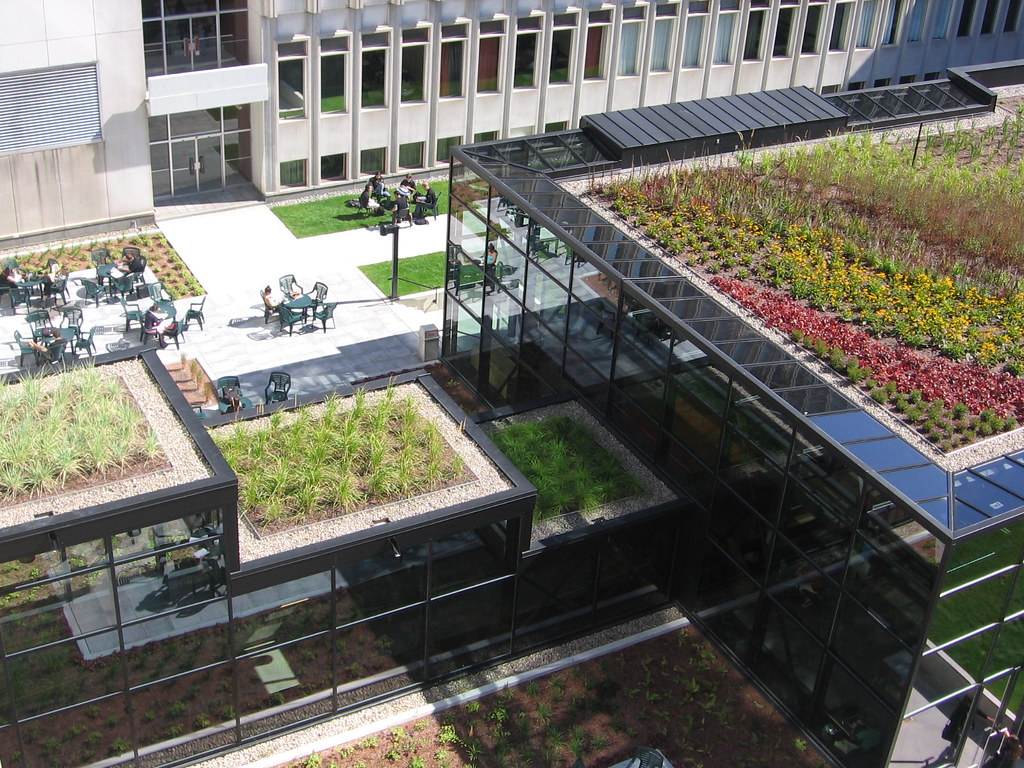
pixel 86 343
pixel 131 314
pixel 278 387
pixel 223 404
pixel 20 296
pixel 93 290
pixel 288 318
pixel 195 312
pixel 325 312
pixel 24 348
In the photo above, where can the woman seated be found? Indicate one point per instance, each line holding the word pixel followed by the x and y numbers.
pixel 270 301
pixel 10 277
pixel 158 322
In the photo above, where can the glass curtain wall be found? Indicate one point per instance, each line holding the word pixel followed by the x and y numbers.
pixel 815 579
pixel 976 641
pixel 138 648
pixel 182 36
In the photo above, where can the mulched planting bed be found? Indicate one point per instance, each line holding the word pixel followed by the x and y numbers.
pixel 675 693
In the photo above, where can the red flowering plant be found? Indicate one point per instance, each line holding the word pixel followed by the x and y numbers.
pixel 949 402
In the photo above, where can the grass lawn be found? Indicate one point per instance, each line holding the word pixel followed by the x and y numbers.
pixel 332 214
pixel 427 269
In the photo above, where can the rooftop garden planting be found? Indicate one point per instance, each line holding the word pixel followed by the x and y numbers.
pixel 901 270
pixel 571 471
pixel 340 456
pixel 69 431
pixel 161 258
pixel 675 692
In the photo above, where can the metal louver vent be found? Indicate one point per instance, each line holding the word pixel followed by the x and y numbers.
pixel 48 108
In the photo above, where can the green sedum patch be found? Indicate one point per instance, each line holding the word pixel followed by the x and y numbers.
pixel 571 470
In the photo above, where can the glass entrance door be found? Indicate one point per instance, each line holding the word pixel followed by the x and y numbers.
pixel 196 165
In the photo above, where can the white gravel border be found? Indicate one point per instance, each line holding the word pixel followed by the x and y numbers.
pixel 485 479
pixel 186 463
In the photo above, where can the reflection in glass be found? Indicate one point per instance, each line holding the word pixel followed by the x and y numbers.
pixel 879 659
pixel 61 675
pixel 852 722
pixel 382 583
pixel 470 627
pixel 788 659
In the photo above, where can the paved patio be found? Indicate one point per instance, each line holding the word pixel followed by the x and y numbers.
pixel 234 254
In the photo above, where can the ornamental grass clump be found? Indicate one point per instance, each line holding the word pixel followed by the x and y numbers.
pixel 75 427
pixel 571 471
pixel 341 456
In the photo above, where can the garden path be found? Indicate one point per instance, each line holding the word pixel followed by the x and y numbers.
pixel 234 253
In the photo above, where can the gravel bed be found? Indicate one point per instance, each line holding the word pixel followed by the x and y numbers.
pixel 656 492
pixel 341 725
pixel 186 462
pixel 485 479
pixel 956 460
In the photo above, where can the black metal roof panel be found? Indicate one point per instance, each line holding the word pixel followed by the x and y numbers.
pixel 689 120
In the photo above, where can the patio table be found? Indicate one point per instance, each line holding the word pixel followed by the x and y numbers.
pixel 167 307
pixel 299 303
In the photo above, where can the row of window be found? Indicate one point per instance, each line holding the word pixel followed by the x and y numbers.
pixel 781 34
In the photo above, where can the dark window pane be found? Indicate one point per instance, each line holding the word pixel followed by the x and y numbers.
pixel 878 658
pixel 561 51
pixel 470 627
pixel 332 83
pixel 469 557
pixel 451 68
pixel 374 83
pixel 413 57
pixel 488 65
pixel 382 583
pixel 524 71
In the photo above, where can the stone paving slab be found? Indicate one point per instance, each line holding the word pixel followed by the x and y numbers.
pixel 234 254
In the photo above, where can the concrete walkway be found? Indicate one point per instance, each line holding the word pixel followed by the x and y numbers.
pixel 234 254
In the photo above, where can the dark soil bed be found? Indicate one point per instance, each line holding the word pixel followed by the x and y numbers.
pixel 675 693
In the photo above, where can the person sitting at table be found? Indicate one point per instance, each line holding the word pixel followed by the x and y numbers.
pixel 158 322
pixel 408 183
pixel 367 201
pixel 270 300
pixel 135 265
pixel 10 277
pixel 426 201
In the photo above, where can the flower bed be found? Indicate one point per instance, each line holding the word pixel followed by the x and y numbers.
pixel 866 269
pixel 161 258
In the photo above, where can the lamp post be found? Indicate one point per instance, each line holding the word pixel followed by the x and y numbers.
pixel 386 229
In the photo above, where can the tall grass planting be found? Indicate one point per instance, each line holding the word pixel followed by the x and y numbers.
pixel 341 456
pixel 66 429
pixel 571 471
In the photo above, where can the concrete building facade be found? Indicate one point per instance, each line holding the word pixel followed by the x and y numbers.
pixel 287 95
